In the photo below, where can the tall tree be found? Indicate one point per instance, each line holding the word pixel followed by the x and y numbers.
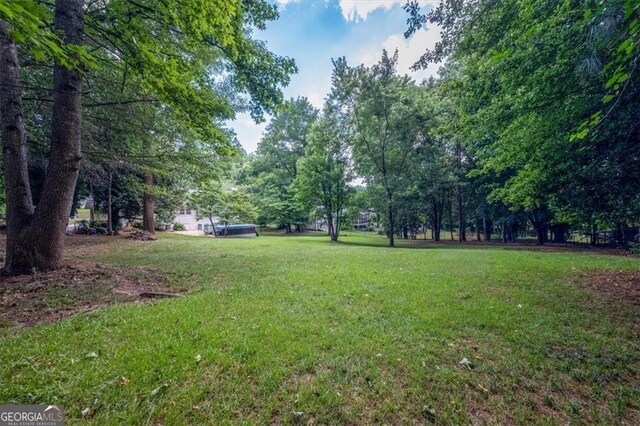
pixel 325 172
pixel 382 104
pixel 275 165
pixel 173 48
pixel 35 237
pixel 539 113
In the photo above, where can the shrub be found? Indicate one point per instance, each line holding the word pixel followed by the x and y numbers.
pixel 634 248
pixel 179 227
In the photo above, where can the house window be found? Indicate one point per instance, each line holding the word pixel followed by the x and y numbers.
pixel 184 211
pixel 199 227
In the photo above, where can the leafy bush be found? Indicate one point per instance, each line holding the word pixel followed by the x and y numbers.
pixel 137 224
pixel 105 224
pixel 634 248
pixel 82 227
pixel 179 227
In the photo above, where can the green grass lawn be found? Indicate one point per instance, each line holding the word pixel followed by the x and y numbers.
pixel 299 330
pixel 85 214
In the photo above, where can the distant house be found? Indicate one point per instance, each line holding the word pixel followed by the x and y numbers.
pixel 364 219
pixel 189 219
pixel 87 203
pixel 320 224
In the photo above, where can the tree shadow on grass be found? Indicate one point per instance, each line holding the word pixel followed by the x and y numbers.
pixel 477 245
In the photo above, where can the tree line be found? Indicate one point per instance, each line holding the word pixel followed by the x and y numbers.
pixel 532 123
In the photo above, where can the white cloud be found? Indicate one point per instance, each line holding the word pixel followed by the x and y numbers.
pixel 359 10
pixel 247 131
pixel 362 43
pixel 354 10
pixel 409 51
pixel 316 98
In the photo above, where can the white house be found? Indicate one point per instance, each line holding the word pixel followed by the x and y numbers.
pixel 189 218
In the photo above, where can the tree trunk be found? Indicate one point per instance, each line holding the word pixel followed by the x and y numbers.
pixel 487 226
pixel 148 206
pixel 540 227
pixel 35 240
pixel 462 231
pixel 110 203
pixel 14 147
pixel 330 226
pixel 620 235
pixel 213 227
pixel 91 210
pixel 541 231
pixel 391 229
pixel 451 217
pixel 436 221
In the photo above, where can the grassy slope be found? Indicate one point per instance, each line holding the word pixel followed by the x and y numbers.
pixel 342 333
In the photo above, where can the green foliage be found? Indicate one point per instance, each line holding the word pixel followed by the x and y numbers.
pixel 528 89
pixel 161 78
pixel 388 125
pixel 30 26
pixel 196 56
pixel 226 205
pixel 325 172
pixel 274 168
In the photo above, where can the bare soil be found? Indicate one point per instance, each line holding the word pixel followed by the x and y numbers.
pixel 616 293
pixel 620 287
pixel 28 300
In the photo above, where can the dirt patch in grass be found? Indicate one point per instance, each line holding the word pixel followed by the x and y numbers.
pixel 28 300
pixel 614 286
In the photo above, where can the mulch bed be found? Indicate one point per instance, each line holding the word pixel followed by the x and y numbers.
pixel 28 300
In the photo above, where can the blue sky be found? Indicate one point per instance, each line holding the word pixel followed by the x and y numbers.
pixel 315 31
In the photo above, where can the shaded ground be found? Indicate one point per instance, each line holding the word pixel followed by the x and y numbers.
pixel 80 287
pixel 529 245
